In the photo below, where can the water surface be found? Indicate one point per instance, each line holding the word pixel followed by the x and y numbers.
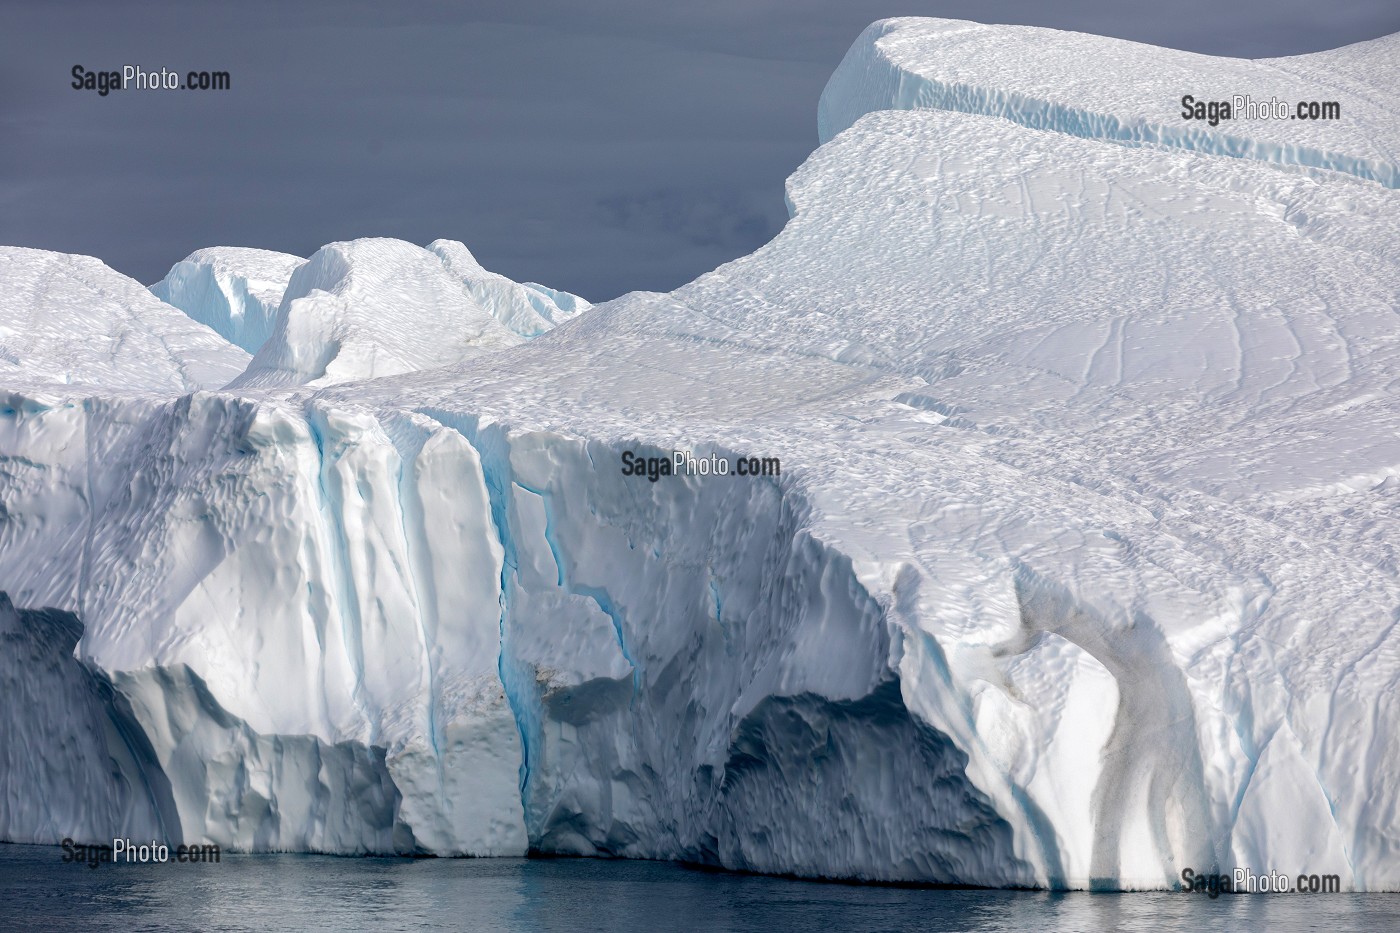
pixel 38 891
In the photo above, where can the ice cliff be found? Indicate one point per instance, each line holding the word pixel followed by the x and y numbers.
pixel 1080 568
pixel 234 290
pixel 1105 89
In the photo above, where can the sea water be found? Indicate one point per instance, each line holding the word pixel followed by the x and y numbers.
pixel 39 891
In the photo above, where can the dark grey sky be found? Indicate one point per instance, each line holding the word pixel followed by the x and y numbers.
pixel 594 146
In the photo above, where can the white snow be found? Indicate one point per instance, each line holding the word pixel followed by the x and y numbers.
pixel 239 291
pixel 72 320
pixel 1089 86
pixel 380 307
pixel 234 290
pixel 370 308
pixel 1080 569
pixel 528 309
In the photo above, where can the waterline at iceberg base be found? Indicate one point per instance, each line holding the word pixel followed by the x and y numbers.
pixel 1079 569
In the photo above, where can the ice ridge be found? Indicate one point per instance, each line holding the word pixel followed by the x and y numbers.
pixel 1126 92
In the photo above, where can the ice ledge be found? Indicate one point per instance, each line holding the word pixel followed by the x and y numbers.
pixel 1100 88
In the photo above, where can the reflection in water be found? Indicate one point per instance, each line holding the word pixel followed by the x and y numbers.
pixel 39 891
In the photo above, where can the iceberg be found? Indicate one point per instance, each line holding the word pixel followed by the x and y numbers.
pixel 68 320
pixel 1075 565
pixel 371 308
pixel 379 307
pixel 528 309
pixel 234 290
pixel 1089 86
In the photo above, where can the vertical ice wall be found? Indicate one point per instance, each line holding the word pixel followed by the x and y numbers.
pixel 307 672
pixel 234 290
pixel 413 633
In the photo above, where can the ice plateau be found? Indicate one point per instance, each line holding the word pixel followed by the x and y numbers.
pixel 1079 569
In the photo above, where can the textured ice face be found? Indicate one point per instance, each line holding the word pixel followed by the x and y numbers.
pixel 234 290
pixel 370 308
pixel 380 307
pixel 527 309
pixel 1080 568
pixel 238 291
pixel 1089 86
pixel 72 320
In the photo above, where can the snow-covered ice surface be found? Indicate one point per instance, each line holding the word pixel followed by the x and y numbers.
pixel 528 309
pixel 233 289
pixel 1080 569
pixel 239 291
pixel 73 320
pixel 380 307
pixel 1111 89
